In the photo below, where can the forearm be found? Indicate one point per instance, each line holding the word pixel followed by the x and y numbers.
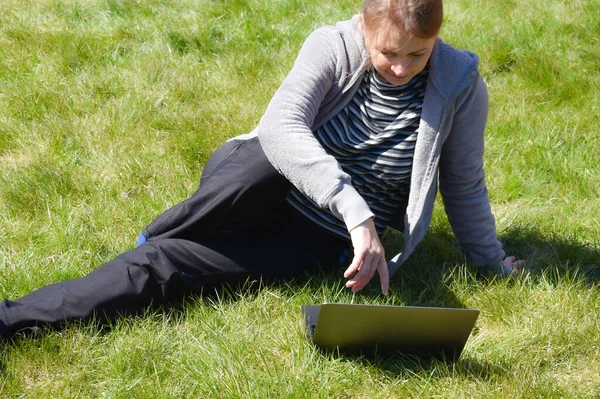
pixel 475 228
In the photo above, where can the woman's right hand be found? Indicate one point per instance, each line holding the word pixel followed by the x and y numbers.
pixel 369 256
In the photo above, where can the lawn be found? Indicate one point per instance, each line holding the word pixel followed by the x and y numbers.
pixel 109 109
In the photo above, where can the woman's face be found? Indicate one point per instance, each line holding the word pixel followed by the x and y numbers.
pixel 397 56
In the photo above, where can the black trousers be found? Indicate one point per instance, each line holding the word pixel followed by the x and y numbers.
pixel 234 227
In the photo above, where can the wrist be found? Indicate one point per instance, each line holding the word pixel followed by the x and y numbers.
pixel 350 207
pixel 367 224
pixel 496 269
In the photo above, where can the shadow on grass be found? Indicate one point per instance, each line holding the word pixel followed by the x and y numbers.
pixel 554 257
pixel 558 258
pixel 400 365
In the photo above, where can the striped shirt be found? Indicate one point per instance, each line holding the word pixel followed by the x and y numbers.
pixel 373 139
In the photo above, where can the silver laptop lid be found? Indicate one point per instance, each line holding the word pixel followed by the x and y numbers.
pixel 431 331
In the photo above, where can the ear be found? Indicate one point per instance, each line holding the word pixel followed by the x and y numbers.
pixel 363 29
pixel 361 23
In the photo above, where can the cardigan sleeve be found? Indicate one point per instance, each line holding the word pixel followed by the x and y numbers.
pixel 462 178
pixel 285 129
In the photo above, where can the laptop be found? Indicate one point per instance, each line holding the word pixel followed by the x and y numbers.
pixel 424 331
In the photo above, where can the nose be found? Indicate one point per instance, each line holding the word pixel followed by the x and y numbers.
pixel 400 68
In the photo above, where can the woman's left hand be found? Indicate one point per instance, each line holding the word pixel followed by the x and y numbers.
pixel 512 265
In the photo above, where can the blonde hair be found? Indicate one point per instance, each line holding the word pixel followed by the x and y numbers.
pixel 420 18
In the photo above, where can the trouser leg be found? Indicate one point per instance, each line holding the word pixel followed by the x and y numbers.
pixel 129 281
pixel 238 187
pixel 201 243
pixel 167 268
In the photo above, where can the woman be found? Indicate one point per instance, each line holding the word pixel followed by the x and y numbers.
pixel 374 111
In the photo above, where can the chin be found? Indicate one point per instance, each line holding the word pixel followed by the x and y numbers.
pixel 398 81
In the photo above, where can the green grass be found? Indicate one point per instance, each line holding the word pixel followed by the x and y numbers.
pixel 108 110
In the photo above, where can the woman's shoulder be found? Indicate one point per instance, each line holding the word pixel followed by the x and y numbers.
pixel 451 69
pixel 349 28
pixel 342 43
pixel 344 34
pixel 448 54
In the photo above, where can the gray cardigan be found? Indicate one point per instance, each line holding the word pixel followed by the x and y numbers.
pixel 450 141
